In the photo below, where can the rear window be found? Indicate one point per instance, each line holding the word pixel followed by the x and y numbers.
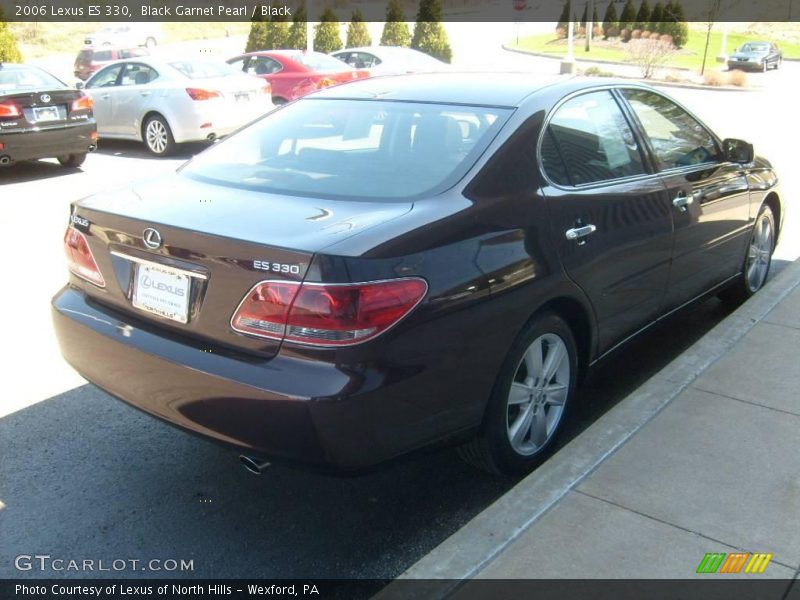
pixel 27 78
pixel 85 55
pixel 102 56
pixel 196 69
pixel 352 149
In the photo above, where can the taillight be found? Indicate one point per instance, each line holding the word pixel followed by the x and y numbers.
pixel 79 257
pixel 325 82
pixel 201 94
pixel 267 89
pixel 326 314
pixel 9 109
pixel 82 103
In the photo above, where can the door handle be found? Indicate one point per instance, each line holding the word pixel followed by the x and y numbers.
pixel 577 233
pixel 105 96
pixel 145 93
pixel 681 202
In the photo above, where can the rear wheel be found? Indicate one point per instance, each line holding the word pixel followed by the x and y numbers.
pixel 72 160
pixel 757 261
pixel 158 136
pixel 531 400
pixel 278 101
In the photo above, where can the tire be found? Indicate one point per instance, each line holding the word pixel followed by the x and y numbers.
pixel 764 66
pixel 150 42
pixel 757 260
pixel 523 419
pixel 278 101
pixel 158 136
pixel 73 161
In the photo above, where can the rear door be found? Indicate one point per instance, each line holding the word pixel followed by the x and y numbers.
pixel 710 200
pixel 609 215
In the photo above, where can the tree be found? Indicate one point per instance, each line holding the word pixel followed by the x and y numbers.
pixel 258 32
pixel 277 33
pixel 657 18
pixel 585 15
pixel 395 31
pixel 297 30
pixel 643 16
pixel 610 18
pixel 675 23
pixel 357 34
pixel 9 52
pixel 326 34
pixel 627 18
pixel 648 54
pixel 566 15
pixel 429 35
pixel 713 8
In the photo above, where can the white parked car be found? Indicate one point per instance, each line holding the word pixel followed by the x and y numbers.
pixel 167 102
pixel 125 35
pixel 390 60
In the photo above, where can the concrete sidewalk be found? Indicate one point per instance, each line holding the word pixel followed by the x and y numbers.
pixel 704 457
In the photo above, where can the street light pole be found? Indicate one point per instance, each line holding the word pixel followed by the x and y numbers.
pixel 589 25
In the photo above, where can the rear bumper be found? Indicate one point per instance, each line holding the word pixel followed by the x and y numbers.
pixel 286 408
pixel 218 119
pixel 48 143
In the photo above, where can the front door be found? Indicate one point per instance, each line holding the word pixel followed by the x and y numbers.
pixel 710 197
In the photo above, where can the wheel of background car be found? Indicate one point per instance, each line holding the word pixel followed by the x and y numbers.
pixel 757 259
pixel 158 136
pixel 277 100
pixel 72 160
pixel 151 42
pixel 531 399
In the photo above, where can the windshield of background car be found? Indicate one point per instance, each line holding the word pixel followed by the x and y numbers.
pixel 13 80
pixel 319 62
pixel 197 69
pixel 755 48
pixel 353 149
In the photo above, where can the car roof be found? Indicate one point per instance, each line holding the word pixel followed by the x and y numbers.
pixel 489 89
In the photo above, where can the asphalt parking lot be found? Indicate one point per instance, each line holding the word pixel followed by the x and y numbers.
pixel 84 476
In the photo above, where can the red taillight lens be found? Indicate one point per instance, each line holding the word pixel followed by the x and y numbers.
pixel 267 89
pixel 9 109
pixel 82 103
pixel 326 315
pixel 79 257
pixel 201 94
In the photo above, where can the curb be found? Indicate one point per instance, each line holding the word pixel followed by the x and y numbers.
pixel 465 553
pixel 653 82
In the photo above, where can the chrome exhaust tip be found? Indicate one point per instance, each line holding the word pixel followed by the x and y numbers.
pixel 211 137
pixel 5 160
pixel 92 148
pixel 254 465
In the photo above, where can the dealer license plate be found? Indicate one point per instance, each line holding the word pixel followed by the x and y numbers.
pixel 162 291
pixel 46 113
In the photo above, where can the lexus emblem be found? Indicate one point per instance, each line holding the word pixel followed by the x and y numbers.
pixel 45 98
pixel 151 238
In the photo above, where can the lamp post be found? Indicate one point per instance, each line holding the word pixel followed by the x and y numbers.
pixel 568 63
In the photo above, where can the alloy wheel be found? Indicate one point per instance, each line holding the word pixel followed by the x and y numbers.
pixel 156 134
pixel 759 253
pixel 538 394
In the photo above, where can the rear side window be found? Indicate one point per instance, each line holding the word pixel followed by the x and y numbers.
pixel 677 138
pixel 589 140
pixel 352 149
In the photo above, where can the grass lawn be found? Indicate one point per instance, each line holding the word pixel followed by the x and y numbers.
pixel 36 40
pixel 691 56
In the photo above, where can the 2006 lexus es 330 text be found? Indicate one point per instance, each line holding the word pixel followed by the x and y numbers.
pixel 405 262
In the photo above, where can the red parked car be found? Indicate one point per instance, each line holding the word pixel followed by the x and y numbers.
pixel 295 73
pixel 91 59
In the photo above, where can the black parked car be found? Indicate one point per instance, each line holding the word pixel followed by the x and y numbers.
pixel 756 56
pixel 404 262
pixel 43 117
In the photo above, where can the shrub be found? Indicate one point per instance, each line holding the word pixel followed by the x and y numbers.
pixel 627 18
pixel 561 33
pixel 611 32
pixel 625 35
pixel 9 52
pixel 646 34
pixel 643 16
pixel 566 15
pixel 597 31
pixel 636 34
pixel 648 54
pixel 714 78
pixel 395 31
pixel 258 32
pixel 738 78
pixel 326 35
pixel 610 18
pixel 656 18
pixel 666 38
pixel 357 34
pixel 597 72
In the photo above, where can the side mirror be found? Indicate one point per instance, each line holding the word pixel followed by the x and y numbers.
pixel 79 85
pixel 737 151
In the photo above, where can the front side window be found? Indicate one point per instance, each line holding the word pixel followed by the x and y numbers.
pixel 588 140
pixel 352 149
pixel 677 138
pixel 105 78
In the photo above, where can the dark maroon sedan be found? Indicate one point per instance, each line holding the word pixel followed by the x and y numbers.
pixel 408 262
